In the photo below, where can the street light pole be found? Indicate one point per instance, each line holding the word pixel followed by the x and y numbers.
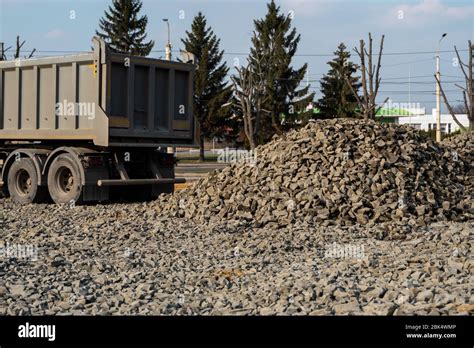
pixel 168 45
pixel 438 92
pixel 170 150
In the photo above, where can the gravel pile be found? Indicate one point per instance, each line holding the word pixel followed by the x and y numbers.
pixel 344 170
pixel 337 218
pixel 464 145
pixel 126 259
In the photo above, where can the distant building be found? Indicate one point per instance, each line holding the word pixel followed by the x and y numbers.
pixel 411 114
pixel 414 115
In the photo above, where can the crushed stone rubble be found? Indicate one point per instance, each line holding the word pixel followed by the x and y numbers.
pixel 340 217
pixel 345 171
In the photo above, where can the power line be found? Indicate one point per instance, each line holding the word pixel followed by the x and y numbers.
pixel 403 91
pixel 451 76
pixel 417 82
pixel 418 92
pixel 296 55
pixel 375 54
pixel 404 77
pixel 382 82
pixel 404 63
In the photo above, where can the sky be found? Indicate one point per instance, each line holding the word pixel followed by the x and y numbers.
pixel 412 30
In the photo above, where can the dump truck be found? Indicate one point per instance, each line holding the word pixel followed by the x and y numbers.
pixel 92 126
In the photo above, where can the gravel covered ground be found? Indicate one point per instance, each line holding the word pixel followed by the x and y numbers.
pixel 126 259
pixel 339 217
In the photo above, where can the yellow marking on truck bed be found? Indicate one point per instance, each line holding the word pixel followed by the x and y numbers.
pixel 178 187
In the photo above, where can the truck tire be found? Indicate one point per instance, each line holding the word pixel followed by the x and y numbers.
pixel 64 180
pixel 23 183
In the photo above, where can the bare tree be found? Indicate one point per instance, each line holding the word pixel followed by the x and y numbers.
pixel 249 92
pixel 467 90
pixel 18 48
pixel 370 79
pixel 245 95
pixel 460 109
pixel 2 50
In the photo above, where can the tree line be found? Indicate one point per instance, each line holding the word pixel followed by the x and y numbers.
pixel 264 96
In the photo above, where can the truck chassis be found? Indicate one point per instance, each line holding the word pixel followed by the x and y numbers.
pixel 35 173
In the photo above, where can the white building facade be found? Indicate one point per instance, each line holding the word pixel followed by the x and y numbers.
pixel 428 122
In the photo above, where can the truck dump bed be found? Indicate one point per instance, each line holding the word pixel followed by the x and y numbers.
pixel 102 97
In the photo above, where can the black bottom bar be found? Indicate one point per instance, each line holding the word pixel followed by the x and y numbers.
pixel 415 331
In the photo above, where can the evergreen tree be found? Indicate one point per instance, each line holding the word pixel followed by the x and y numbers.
pixel 124 30
pixel 337 99
pixel 274 46
pixel 211 91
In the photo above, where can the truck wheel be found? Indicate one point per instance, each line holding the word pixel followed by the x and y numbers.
pixel 64 180
pixel 23 182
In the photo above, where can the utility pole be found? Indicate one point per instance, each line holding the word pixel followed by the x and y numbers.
pixel 472 82
pixel 1 51
pixel 168 45
pixel 409 92
pixel 170 149
pixel 438 92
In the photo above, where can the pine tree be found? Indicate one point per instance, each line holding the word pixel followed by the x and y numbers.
pixel 211 91
pixel 124 30
pixel 274 46
pixel 338 99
